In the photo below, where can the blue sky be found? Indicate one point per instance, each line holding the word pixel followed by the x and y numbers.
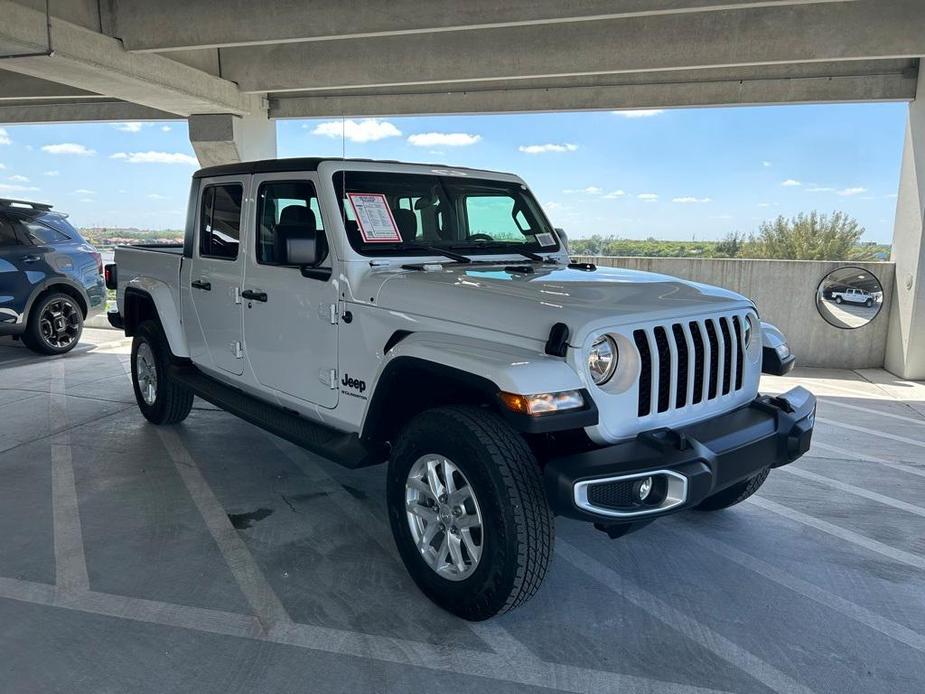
pixel 673 174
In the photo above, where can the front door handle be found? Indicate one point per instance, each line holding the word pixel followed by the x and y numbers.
pixel 31 258
pixel 199 284
pixel 252 295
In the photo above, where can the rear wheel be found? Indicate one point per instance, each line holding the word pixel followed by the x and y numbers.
pixel 838 299
pixel 735 494
pixel 55 324
pixel 869 303
pixel 160 398
pixel 468 511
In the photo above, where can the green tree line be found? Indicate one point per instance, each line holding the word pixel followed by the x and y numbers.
pixel 807 236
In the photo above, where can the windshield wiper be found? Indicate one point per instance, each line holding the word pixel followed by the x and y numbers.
pixel 435 250
pixel 529 255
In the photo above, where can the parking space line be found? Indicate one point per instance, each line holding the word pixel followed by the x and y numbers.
pixel 499 639
pixel 681 622
pixel 867 410
pixel 70 560
pixel 872 432
pixel 904 467
pixel 857 491
pixel 253 583
pixel 854 538
pixel 808 590
pixel 339 642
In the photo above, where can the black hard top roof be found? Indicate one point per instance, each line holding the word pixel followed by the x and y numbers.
pixel 297 164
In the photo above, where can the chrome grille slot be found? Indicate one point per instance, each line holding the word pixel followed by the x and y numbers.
pixel 686 365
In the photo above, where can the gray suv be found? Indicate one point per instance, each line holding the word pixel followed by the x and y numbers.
pixel 51 279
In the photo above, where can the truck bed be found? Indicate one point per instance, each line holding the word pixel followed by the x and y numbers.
pixel 156 263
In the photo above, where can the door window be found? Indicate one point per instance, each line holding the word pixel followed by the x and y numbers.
pixel 220 221
pixel 7 234
pixel 286 209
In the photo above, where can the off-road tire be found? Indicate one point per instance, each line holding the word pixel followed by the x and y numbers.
pixel 735 494
pixel 173 401
pixel 838 300
pixel 518 525
pixel 32 336
pixel 869 303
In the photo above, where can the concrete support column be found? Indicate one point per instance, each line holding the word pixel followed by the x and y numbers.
pixel 905 349
pixel 226 139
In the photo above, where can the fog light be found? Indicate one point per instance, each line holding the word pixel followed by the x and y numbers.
pixel 642 489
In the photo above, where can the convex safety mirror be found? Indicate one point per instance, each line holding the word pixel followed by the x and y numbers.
pixel 849 297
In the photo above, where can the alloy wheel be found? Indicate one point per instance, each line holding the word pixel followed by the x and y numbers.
pixel 59 323
pixel 444 517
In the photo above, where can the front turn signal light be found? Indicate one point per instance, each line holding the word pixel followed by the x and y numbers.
pixel 542 403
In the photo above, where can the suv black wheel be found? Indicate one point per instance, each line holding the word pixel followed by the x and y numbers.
pixel 160 399
pixel 735 494
pixel 468 511
pixel 55 324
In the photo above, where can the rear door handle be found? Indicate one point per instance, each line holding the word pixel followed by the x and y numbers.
pixel 31 258
pixel 199 284
pixel 252 295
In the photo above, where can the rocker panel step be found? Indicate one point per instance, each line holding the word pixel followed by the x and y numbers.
pixel 342 448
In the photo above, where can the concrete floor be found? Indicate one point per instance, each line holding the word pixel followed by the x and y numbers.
pixel 212 557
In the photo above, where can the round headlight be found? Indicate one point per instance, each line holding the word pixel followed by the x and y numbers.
pixel 747 331
pixel 602 359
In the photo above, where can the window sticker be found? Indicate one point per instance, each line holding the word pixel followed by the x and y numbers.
pixel 545 239
pixel 377 225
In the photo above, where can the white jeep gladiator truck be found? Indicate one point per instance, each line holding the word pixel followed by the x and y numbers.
pixel 429 318
pixel 853 295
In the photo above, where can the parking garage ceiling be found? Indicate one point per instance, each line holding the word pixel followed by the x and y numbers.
pixel 128 59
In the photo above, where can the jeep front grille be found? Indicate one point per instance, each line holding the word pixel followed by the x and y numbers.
pixel 689 363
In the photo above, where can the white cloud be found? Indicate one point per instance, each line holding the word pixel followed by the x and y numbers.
pixel 721 216
pixel 19 179
pixel 766 164
pixel 87 200
pixel 648 197
pixel 366 130
pixel 156 196
pixel 69 148
pixel 4 137
pixel 83 191
pixel 134 127
pixel 166 128
pixel 845 192
pixel 640 113
pixel 689 200
pixel 543 149
pixel 819 189
pixel 15 188
pixel 790 182
pixel 552 205
pixel 443 139
pixel 590 190
pixel 52 173
pixel 764 204
pixel 156 158
pixel 615 194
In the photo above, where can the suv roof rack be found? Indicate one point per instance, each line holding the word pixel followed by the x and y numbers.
pixel 6 202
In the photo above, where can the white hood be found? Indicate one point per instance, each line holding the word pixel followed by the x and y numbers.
pixel 528 304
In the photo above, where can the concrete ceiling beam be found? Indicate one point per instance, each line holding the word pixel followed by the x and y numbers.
pixel 843 31
pixel 90 61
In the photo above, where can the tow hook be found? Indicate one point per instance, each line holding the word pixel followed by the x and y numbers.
pixel 615 530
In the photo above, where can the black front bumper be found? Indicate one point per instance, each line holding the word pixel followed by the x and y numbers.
pixel 703 458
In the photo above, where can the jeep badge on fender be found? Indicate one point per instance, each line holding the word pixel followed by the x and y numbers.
pixel 359 386
pixel 636 396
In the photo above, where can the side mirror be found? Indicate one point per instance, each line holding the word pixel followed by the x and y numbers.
pixel 776 357
pixel 302 251
pixel 563 237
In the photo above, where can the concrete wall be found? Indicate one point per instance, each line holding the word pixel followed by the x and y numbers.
pixel 785 293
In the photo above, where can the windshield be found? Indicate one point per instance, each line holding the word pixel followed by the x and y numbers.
pixel 413 214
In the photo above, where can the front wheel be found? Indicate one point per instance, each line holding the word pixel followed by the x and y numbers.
pixel 160 399
pixel 468 511
pixel 838 299
pixel 735 494
pixel 869 303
